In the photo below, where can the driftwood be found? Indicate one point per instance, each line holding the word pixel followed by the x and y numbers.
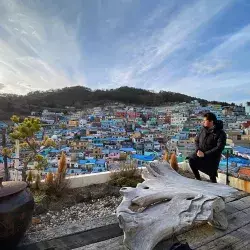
pixel 166 203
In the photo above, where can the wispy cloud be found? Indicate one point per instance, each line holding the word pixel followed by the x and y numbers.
pixel 149 52
pixel 222 56
pixel 36 49
pixel 196 47
pixel 209 67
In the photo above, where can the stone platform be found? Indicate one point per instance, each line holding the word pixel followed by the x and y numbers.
pixel 107 235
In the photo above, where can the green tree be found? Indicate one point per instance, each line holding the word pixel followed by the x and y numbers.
pixel 63 126
pixel 24 131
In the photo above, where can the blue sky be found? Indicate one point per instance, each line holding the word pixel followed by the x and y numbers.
pixel 196 47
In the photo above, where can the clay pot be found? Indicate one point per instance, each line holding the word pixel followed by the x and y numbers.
pixel 16 209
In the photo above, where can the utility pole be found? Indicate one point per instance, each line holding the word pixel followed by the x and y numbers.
pixel 5 161
pixel 227 174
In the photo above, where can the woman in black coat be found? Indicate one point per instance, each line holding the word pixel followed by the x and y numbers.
pixel 209 144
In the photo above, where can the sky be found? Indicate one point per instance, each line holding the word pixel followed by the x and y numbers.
pixel 196 47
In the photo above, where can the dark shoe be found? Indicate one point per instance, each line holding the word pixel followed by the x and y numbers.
pixel 213 179
pixel 180 246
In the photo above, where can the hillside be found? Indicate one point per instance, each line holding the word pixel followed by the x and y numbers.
pixel 81 97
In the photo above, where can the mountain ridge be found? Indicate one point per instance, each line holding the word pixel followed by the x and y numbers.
pixel 82 97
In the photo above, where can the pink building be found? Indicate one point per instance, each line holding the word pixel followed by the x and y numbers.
pixel 114 155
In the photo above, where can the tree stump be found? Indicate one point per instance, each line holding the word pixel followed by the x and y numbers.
pixel 166 203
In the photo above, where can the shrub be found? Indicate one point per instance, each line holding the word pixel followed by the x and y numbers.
pixel 38 197
pixel 128 175
pixel 29 178
pixel 174 162
pixel 38 181
pixel 166 156
pixel 57 185
pixel 49 179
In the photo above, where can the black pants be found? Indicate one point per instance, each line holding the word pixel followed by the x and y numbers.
pixel 201 164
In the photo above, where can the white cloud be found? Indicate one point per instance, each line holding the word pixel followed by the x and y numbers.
pixel 222 56
pixel 233 86
pixel 212 76
pixel 209 66
pixel 149 52
pixel 36 49
pixel 39 48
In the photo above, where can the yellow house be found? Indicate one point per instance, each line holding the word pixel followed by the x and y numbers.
pixel 123 156
pixel 79 145
pixel 245 138
pixel 135 135
pixel 97 153
pixel 215 106
pixel 192 139
pixel 73 123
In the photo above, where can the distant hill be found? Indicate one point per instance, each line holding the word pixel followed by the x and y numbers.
pixel 80 97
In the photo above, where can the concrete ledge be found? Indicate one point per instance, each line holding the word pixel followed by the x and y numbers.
pixel 233 181
pixel 84 180
pixel 88 179
pixel 98 178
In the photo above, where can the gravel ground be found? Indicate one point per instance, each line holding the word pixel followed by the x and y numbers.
pixel 96 208
pixel 67 229
pixel 68 218
pixel 87 210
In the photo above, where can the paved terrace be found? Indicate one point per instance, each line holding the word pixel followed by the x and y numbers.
pixel 105 234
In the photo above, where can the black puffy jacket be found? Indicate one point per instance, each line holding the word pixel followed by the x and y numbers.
pixel 211 141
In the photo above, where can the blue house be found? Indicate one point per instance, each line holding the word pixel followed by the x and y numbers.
pixel 3 125
pixel 128 150
pixel 100 166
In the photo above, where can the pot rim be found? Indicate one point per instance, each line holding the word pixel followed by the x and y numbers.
pixel 11 187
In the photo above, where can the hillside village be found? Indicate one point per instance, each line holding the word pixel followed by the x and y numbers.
pixel 101 139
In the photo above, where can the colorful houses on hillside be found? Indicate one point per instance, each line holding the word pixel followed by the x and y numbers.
pixel 95 139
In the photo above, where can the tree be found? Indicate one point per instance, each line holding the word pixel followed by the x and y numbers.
pixel 24 131
pixel 63 126
pixel 82 97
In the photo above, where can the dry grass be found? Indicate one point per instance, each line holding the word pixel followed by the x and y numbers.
pixel 57 184
pixel 128 175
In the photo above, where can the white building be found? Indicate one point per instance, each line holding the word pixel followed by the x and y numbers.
pixel 82 122
pixel 178 119
pixel 247 108
pixel 77 115
pixel 97 111
pixel 234 125
pixel 172 146
pixel 48 120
